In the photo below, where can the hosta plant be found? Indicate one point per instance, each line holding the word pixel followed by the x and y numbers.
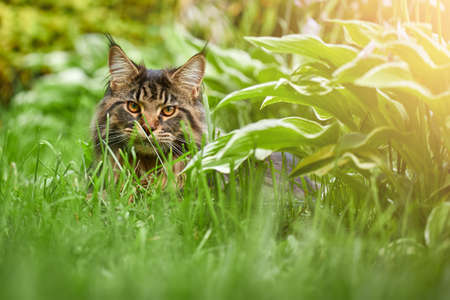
pixel 377 105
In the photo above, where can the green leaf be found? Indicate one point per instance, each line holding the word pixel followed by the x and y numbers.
pixel 304 111
pixel 308 46
pixel 385 75
pixel 393 111
pixel 234 74
pixel 319 162
pixel 260 90
pixel 438 52
pixel 313 69
pixel 271 135
pixel 324 161
pixel 357 148
pixel 397 78
pixel 356 68
pixel 359 33
pixel 338 102
pixel 415 55
pixel 376 137
pixel 423 68
pixel 270 73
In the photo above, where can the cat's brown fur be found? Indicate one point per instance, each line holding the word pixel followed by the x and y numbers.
pixel 141 103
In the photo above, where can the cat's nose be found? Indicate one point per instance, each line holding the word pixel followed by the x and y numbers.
pixel 153 126
pixel 148 128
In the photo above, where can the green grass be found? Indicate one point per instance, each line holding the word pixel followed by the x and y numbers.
pixel 236 240
pixel 243 241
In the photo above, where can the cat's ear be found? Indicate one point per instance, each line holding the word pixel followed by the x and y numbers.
pixel 121 68
pixel 189 76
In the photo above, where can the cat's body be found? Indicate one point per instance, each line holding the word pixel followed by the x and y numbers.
pixel 143 110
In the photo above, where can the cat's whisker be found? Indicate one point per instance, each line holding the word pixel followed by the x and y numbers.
pixel 180 139
pixel 118 142
pixel 109 129
pixel 175 149
pixel 176 146
pixel 112 140
pixel 113 137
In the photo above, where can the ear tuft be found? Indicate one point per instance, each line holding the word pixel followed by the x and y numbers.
pixel 189 76
pixel 111 40
pixel 121 68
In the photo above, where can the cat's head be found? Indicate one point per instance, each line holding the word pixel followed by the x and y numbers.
pixel 142 103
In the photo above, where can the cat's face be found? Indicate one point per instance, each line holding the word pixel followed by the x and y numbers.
pixel 145 107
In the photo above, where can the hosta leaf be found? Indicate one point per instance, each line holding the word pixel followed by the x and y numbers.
pixel 304 111
pixel 393 111
pixel 309 46
pixel 325 160
pixel 338 102
pixel 407 144
pixel 278 134
pixel 312 130
pixel 315 68
pixel 415 55
pixel 385 75
pixel 322 161
pixel 438 52
pixel 270 73
pixel 272 135
pixel 235 75
pixel 357 67
pixel 397 78
pixel 359 33
pixel 422 67
pixel 381 135
pixel 260 90
pixel 357 148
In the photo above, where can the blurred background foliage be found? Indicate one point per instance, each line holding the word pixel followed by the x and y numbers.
pixel 44 26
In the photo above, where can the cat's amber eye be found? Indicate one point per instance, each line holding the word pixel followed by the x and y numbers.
pixel 168 111
pixel 133 107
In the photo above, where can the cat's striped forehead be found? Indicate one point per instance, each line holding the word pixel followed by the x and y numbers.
pixel 153 85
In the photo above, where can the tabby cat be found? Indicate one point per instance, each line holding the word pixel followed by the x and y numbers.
pixel 144 107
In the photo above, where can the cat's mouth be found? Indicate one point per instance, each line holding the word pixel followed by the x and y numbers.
pixel 159 136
